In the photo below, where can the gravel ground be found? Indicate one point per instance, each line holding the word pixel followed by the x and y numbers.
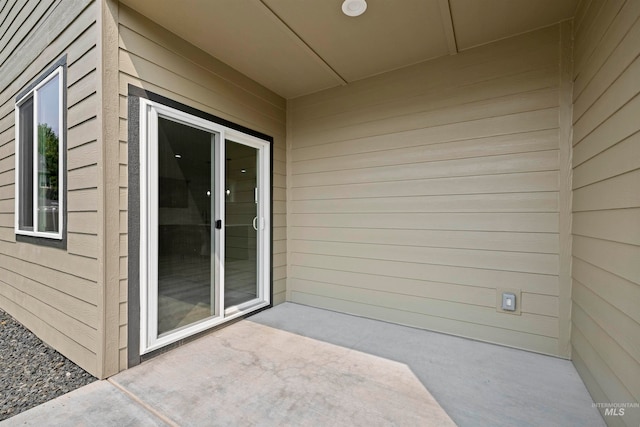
pixel 31 372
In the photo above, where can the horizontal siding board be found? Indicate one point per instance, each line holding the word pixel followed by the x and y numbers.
pixel 510 124
pixel 624 367
pixel 7 191
pixel 617 127
pixel 279 286
pixel 619 225
pixel 82 178
pixel 594 389
pixel 517 222
pixel 626 334
pixel 8 148
pixel 82 222
pixel 31 13
pixel 626 86
pixel 621 158
pixel 44 259
pixel 587 23
pixel 504 241
pixel 279 298
pixel 584 46
pixel 85 245
pixel 511 104
pixel 545 305
pixel 64 281
pixel 495 260
pixel 509 163
pixel 58 319
pixel 473 148
pixel 84 132
pixel 606 380
pixel 83 155
pixel 617 31
pixel 84 65
pixel 7 235
pixel 533 283
pixel 618 258
pixel 614 193
pixel 511 202
pixel 76 308
pixel 16 14
pixel 524 182
pixel 623 294
pixel 82 111
pixel 59 31
pixel 440 98
pixel 83 88
pixel 82 200
pixel 623 55
pixel 475 295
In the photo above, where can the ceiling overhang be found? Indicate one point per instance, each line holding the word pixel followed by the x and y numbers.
pixel 297 47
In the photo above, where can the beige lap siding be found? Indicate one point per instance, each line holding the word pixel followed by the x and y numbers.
pixel 51 291
pixel 417 193
pixel 156 60
pixel 606 203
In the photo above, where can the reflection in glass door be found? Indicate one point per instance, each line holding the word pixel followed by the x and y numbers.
pixel 204 224
pixel 241 224
pixel 185 206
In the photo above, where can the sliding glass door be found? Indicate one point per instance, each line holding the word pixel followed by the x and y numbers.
pixel 205 228
pixel 186 284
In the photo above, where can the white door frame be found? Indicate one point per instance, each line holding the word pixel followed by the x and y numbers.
pixel 149 113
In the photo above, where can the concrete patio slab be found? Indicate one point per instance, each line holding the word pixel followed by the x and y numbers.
pixel 477 383
pixel 96 404
pixel 302 366
pixel 251 374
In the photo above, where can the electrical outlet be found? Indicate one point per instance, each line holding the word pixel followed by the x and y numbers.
pixel 508 301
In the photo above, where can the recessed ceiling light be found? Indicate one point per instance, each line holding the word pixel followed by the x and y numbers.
pixel 178 156
pixel 243 171
pixel 354 7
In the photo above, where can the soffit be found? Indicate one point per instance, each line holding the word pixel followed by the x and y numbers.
pixel 390 35
pixel 297 47
pixel 480 22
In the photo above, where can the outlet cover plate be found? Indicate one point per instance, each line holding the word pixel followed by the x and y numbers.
pixel 516 292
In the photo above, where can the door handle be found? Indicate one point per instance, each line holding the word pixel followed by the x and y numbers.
pixel 219 224
pixel 255 223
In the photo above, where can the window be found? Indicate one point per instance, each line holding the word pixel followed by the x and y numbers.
pixel 39 158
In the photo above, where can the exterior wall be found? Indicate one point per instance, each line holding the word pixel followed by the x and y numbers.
pixel 152 58
pixel 54 292
pixel 416 194
pixel 606 203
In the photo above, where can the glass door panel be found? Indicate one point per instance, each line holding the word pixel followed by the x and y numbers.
pixel 241 224
pixel 185 205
